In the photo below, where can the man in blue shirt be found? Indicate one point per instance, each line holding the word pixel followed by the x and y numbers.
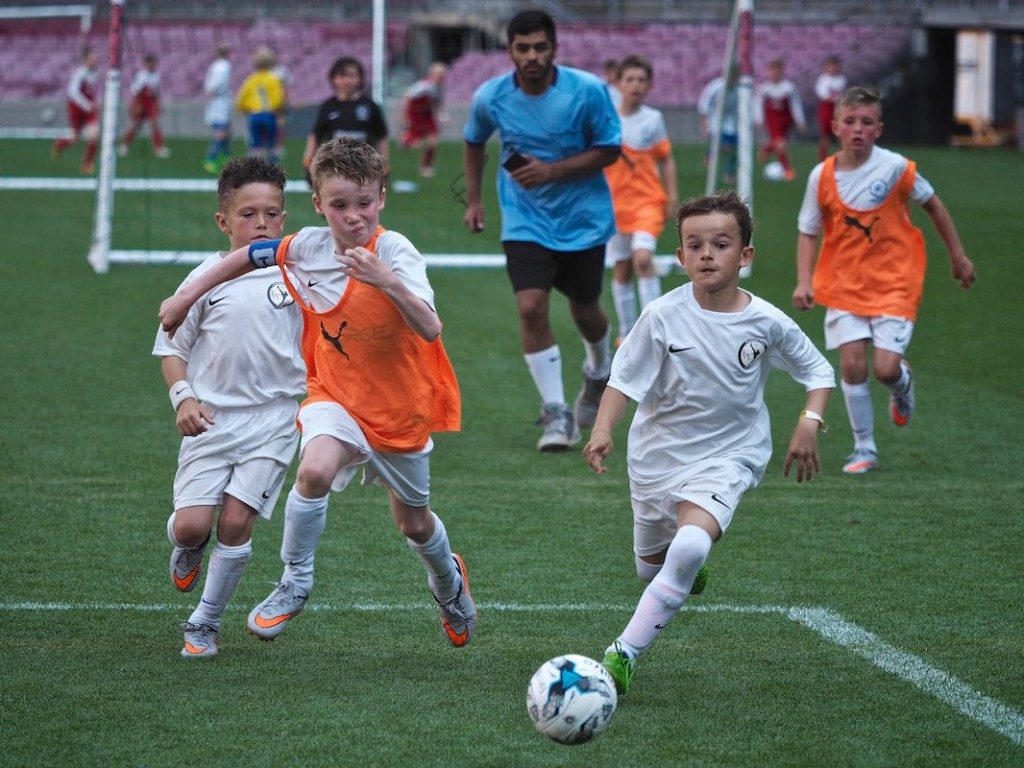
pixel 558 130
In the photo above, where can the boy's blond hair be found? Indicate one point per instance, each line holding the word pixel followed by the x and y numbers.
pixel 348 158
pixel 861 96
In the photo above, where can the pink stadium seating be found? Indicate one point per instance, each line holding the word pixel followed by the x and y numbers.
pixel 36 64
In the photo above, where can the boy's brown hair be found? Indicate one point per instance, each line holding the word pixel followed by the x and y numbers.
pixel 861 96
pixel 727 202
pixel 348 158
pixel 246 169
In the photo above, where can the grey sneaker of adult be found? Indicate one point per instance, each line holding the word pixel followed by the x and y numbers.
pixel 200 641
pixel 589 398
pixel 186 564
pixel 458 615
pixel 560 430
pixel 268 619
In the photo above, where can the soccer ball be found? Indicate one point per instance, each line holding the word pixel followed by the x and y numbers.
pixel 774 171
pixel 571 699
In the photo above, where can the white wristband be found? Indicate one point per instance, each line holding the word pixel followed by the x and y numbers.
pixel 813 416
pixel 179 392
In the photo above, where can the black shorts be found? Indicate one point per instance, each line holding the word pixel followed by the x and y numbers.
pixel 577 274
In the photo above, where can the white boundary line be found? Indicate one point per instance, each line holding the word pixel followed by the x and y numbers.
pixel 990 713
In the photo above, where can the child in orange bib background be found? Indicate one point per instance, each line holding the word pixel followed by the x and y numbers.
pixel 378 379
pixel 870 270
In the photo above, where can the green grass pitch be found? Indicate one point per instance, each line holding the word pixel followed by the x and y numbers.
pixel 924 554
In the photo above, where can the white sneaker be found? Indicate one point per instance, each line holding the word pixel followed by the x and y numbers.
pixel 268 619
pixel 200 641
pixel 163 153
pixel 122 150
pixel 560 430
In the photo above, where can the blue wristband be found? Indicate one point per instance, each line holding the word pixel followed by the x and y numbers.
pixel 264 253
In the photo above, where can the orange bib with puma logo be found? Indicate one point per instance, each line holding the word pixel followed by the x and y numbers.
pixel 362 355
pixel 872 262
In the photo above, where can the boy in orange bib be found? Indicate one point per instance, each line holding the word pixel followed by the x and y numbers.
pixel 379 381
pixel 870 271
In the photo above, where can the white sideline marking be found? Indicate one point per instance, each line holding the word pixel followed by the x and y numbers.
pixel 830 625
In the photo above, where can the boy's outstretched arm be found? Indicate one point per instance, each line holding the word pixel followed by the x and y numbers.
pixel 803 294
pixel 235 264
pixel 609 413
pixel 961 266
pixel 803 446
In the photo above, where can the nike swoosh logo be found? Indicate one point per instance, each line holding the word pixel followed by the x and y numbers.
pixel 660 626
pixel 184 583
pixel 311 282
pixel 259 621
pixel 714 497
pixel 181 390
pixel 458 639
pixel 674 348
pixel 217 301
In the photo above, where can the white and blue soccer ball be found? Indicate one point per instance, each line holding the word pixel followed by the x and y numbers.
pixel 571 699
pixel 774 171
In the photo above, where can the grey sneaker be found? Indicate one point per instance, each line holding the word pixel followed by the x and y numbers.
pixel 860 462
pixel 200 641
pixel 268 619
pixel 458 615
pixel 186 564
pixel 560 430
pixel 584 408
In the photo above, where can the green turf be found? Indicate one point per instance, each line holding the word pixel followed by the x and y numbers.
pixel 924 553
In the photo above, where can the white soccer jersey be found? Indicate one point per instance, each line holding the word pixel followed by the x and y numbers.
pixel 769 95
pixel 320 281
pixel 699 379
pixel 862 188
pixel 82 88
pixel 145 80
pixel 217 87
pixel 240 341
pixel 829 87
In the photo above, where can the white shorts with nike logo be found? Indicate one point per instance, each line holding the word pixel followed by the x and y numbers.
pixel 884 331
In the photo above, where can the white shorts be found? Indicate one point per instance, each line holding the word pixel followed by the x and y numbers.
pixel 885 331
pixel 245 453
pixel 714 486
pixel 407 474
pixel 622 245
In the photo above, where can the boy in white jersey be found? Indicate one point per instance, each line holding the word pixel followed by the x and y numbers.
pixel 870 272
pixel 378 379
pixel 234 371
pixel 644 190
pixel 696 363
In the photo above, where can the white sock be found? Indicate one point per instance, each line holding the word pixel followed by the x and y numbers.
pixel 546 369
pixel 902 384
pixel 304 521
pixel 668 591
pixel 861 414
pixel 625 306
pixel 226 566
pixel 436 556
pixel 649 289
pixel 599 356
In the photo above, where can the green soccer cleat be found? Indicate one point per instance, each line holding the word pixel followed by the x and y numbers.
pixel 620 666
pixel 700 582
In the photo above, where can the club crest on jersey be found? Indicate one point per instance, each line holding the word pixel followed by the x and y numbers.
pixel 279 296
pixel 750 351
pixel 879 190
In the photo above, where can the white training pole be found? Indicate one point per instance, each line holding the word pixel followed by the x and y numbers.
pixel 716 135
pixel 745 111
pixel 377 55
pixel 99 252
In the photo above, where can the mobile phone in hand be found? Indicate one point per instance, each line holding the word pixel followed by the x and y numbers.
pixel 514 161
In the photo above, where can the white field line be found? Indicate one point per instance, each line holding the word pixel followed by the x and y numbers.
pixel 990 713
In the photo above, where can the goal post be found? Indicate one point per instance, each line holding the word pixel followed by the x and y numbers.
pixel 99 251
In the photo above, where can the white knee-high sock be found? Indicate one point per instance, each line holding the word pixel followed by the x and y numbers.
pixel 226 566
pixel 304 522
pixel 546 370
pixel 625 306
pixel 861 415
pixel 668 591
pixel 599 356
pixel 649 288
pixel 436 556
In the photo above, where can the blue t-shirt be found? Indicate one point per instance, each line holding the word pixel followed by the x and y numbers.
pixel 574 114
